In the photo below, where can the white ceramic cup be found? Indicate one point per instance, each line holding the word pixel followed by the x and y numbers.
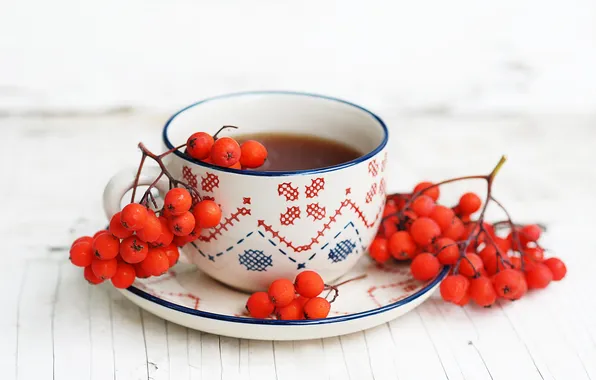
pixel 276 224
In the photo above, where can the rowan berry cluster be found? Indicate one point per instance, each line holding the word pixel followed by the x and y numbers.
pixel 142 239
pixel 485 263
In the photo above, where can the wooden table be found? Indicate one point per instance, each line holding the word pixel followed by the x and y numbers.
pixel 55 326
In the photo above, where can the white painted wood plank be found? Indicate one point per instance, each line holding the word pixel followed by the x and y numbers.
pixel 335 361
pixel 156 345
pixel 14 280
pixel 244 367
pixel 178 351
pixel 72 340
pixel 261 361
pixel 230 358
pixel 35 352
pixel 310 360
pixel 130 357
pixel 101 331
pixel 285 362
pixel 356 355
pixel 194 354
pixel 381 352
pixel 210 357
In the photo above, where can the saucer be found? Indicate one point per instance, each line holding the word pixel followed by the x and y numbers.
pixel 188 297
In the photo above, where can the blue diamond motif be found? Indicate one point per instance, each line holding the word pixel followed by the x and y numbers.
pixel 341 250
pixel 255 260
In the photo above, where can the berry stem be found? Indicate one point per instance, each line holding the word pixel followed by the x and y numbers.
pixel 171 150
pixel 221 129
pixel 136 182
pixel 335 289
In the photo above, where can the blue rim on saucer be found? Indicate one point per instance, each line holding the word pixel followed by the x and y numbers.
pixel 255 321
pixel 365 157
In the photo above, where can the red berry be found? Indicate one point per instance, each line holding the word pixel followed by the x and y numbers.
pixel 424 231
pixel 379 250
pixel 504 245
pixel 496 264
pixel 470 265
pixel 104 269
pixel 469 203
pixel 464 300
pixel 425 266
pixel 182 225
pixel 455 230
pixel 309 284
pixel 530 233
pixel 225 152
pixel 100 232
pixel 301 301
pixel 539 276
pixel 88 239
pixel 177 201
pixel 117 229
pixel 487 253
pixel 509 283
pixel 454 288
pixel 181 241
pixel 207 214
pixel 431 192
pixel 152 229
pixel 281 292
pixel 106 246
pixel 535 254
pixel 557 267
pixel 253 154
pixel 199 145
pixel 516 262
pixel 166 236
pixel 172 253
pixel 316 308
pixel 402 246
pixel 133 216
pixel 292 311
pixel 448 251
pixel 91 277
pixel 156 263
pixel 443 216
pixel 482 291
pixel 81 253
pixel 423 205
pixel 259 305
pixel 140 272
pixel 124 277
pixel 133 250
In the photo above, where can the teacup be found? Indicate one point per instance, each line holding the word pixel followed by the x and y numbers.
pixel 276 224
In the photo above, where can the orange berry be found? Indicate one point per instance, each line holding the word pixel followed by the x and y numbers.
pixel 469 203
pixel 534 253
pixel 379 250
pixel 425 266
pixel 557 267
pixel 424 231
pixel 470 265
pixel 301 301
pixel 309 284
pixel 236 166
pixel 156 263
pixel 281 292
pixel 253 154
pixel 454 288
pixel 117 229
pixel 100 232
pixel 181 241
pixel 539 276
pixel 83 238
pixel 432 192
pixel 509 283
pixel 316 308
pixel 423 205
pixel 448 251
pixel 91 277
pixel 140 272
pixel 177 201
pixel 166 236
pixel 133 250
pixel 104 269
pixel 106 246
pixel 482 291
pixel 259 305
pixel 292 311
pixel 455 230
pixel 172 253
pixel 530 233
pixel 225 152
pixel 124 277
pixel 207 214
pixel 81 253
pixel 133 216
pixel 443 216
pixel 152 229
pixel 182 225
pixel 402 246
pixel 199 145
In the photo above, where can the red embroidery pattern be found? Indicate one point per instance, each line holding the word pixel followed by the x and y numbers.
pixel 316 211
pixel 373 168
pixel 227 222
pixel 384 163
pixel 408 286
pixel 315 187
pixel 371 193
pixel 287 190
pixel 348 203
pixel 209 182
pixel 291 214
pixel 382 187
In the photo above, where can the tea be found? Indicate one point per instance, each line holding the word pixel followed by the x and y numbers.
pixel 289 152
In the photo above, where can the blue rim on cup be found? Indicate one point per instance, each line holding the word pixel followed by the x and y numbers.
pixel 368 155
